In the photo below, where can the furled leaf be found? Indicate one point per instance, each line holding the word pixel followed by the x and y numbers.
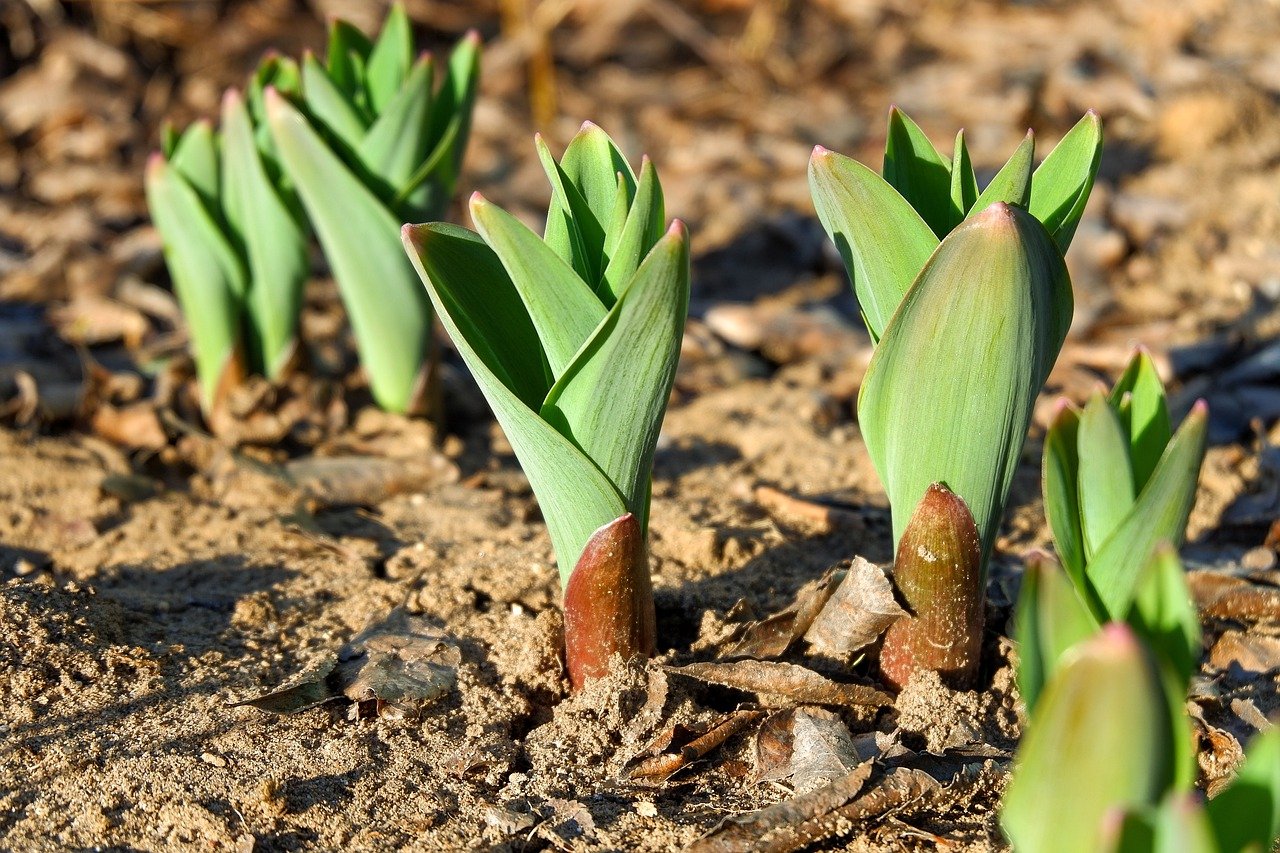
pixel 480 308
pixel 1012 184
pixel 959 368
pixel 883 241
pixel 1148 414
pixel 327 104
pixel 917 171
pixel 395 146
pixel 346 56
pixel 1050 620
pixel 390 59
pixel 1061 185
pixel 389 312
pixel 1246 816
pixel 1106 492
pixel 964 184
pixel 273 240
pixel 195 158
pixel 562 307
pixel 206 272
pixel 642 227
pixel 610 401
pixel 1097 742
pixel 1060 484
pixel 1159 514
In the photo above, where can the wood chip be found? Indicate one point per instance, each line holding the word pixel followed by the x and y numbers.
pixel 810 516
pixel 677 747
pixel 791 682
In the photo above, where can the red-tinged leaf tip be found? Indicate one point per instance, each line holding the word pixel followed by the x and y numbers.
pixel 231 98
pixel 473 36
pixel 819 152
pixel 608 602
pixel 155 164
pixel 476 199
pixel 678 229
pixel 588 125
pixel 1117 638
pixel 1200 408
pixel 997 215
pixel 411 236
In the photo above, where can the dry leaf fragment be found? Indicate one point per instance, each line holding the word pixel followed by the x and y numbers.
pixel 827 812
pixel 1224 596
pixel 364 480
pixel 772 636
pixel 809 746
pixel 787 680
pixel 810 516
pixel 1250 653
pixel 858 612
pixel 396 664
pixel 678 746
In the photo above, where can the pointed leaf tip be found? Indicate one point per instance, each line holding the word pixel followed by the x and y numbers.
pixel 820 151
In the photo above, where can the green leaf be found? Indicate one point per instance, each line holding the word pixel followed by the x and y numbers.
pixel 396 144
pixel 205 270
pixel 329 106
pixel 195 157
pixel 611 400
pixel 1159 514
pixel 1060 187
pixel 1050 619
pixel 1106 491
pixel 585 183
pixel 917 171
pixel 1060 484
pixel 1246 816
pixel 389 312
pixel 1098 742
pixel 638 232
pixel 964 184
pixel 1149 426
pixel 883 241
pixel 949 391
pixel 390 59
pixel 482 311
pixel 273 240
pixel 347 56
pixel 563 309
pixel 1012 184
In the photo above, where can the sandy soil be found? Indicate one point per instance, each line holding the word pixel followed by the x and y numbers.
pixel 147 585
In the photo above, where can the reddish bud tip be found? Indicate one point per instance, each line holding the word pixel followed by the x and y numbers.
pixel 473 36
pixel 588 125
pixel 1200 407
pixel 820 151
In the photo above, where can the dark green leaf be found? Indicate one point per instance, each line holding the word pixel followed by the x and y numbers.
pixel 1106 477
pixel 917 171
pixel 1060 477
pixel 1060 187
pixel 964 184
pixel 1148 414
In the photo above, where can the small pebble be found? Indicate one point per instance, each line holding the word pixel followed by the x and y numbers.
pixel 215 760
pixel 644 808
pixel 1259 559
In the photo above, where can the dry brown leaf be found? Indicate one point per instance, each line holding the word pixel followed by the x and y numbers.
pixel 772 636
pixel 859 611
pixel 792 682
pixel 1252 653
pixel 810 746
pixel 397 664
pixel 365 480
pixel 136 425
pixel 678 746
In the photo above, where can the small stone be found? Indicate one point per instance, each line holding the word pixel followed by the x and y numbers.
pixel 644 808
pixel 215 760
pixel 1259 559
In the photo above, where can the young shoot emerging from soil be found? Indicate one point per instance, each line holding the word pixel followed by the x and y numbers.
pixel 968 301
pixel 573 338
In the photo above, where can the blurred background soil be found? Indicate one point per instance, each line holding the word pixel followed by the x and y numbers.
pixel 149 574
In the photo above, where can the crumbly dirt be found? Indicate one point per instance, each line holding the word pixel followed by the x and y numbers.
pixel 150 576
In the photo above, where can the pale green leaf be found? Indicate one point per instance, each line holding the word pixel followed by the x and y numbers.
pixel 949 391
pixel 389 312
pixel 478 305
pixel 205 270
pixel 1061 185
pixel 1097 742
pixel 1148 414
pixel 563 309
pixel 1012 184
pixel 1159 515
pixel 1050 619
pixel 397 143
pixel 1060 485
pixel 329 106
pixel 571 226
pixel 917 171
pixel 611 400
pixel 883 241
pixel 1106 492
pixel 641 228
pixel 964 184
pixel 389 60
pixel 195 157
pixel 273 240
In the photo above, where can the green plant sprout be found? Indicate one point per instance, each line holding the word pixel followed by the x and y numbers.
pixel 375 139
pixel 968 301
pixel 573 338
pixel 1102 766
pixel 234 240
